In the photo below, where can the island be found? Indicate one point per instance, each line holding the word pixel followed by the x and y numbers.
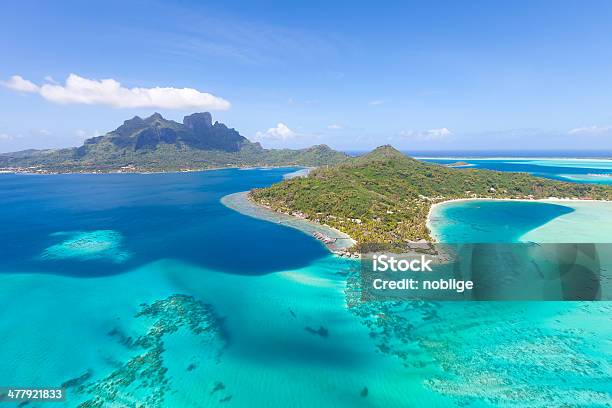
pixel 384 197
pixel 155 144
pixel 459 164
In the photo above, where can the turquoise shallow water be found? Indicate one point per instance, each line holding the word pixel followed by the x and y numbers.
pixel 507 221
pixel 477 221
pixel 128 288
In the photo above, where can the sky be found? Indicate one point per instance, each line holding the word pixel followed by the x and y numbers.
pixel 435 75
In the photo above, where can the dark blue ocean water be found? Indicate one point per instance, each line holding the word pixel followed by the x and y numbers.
pixel 157 215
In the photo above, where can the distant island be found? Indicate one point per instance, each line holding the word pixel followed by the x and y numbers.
pixel 156 144
pixel 384 197
pixel 459 164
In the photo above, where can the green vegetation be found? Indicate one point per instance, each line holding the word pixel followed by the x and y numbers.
pixel 157 144
pixel 384 197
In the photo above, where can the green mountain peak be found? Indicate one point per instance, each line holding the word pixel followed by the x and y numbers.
pixel 159 144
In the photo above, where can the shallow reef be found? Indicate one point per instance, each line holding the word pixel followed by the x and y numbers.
pixel 88 245
pixel 142 381
pixel 497 353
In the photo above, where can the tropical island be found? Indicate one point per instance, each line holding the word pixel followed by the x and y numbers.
pixel 155 144
pixel 459 164
pixel 384 197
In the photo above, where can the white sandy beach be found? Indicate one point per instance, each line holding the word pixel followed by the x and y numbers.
pixel 241 203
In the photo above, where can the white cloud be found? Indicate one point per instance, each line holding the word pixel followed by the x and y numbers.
pixel 440 133
pixel 376 102
pixel 110 92
pixel 431 134
pixel 334 126
pixel 17 83
pixel 280 132
pixel 591 130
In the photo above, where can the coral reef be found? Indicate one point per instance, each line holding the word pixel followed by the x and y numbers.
pixel 143 380
pixel 500 353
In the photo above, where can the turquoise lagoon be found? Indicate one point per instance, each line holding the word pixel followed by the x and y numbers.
pixel 128 288
pixel 542 221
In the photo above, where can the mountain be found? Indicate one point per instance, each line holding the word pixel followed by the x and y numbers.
pixel 384 197
pixel 158 144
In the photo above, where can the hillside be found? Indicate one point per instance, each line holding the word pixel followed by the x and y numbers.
pixel 158 144
pixel 385 196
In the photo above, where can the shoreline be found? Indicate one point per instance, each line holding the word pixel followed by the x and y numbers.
pixel 52 173
pixel 241 203
pixel 434 238
pixel 302 172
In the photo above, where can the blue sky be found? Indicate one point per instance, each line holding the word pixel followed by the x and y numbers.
pixel 437 75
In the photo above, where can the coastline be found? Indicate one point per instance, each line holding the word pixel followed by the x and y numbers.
pixel 551 200
pixel 302 172
pixel 119 171
pixel 241 203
